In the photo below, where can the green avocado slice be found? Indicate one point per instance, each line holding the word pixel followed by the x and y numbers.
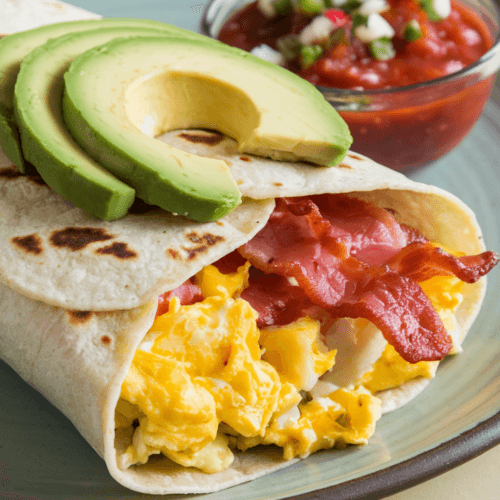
pixel 9 138
pixel 46 142
pixel 14 48
pixel 119 96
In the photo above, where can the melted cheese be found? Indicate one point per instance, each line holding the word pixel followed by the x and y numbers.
pixel 205 379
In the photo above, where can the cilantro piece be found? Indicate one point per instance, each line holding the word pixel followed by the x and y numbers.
pixel 428 7
pixel 351 5
pixel 311 7
pixel 358 20
pixel 412 31
pixel 382 49
pixel 283 7
pixel 337 37
pixel 289 46
pixel 344 420
pixel 309 54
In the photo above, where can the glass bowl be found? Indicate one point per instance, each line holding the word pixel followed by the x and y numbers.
pixel 412 126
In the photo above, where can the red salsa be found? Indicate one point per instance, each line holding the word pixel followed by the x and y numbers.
pixel 444 47
pixel 401 135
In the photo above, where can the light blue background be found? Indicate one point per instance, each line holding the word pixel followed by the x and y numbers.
pixel 186 14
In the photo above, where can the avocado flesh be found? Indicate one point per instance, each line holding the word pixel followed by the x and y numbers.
pixel 14 48
pixel 198 188
pixel 282 116
pixel 118 97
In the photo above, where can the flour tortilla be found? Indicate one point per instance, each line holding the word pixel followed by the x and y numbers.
pixel 78 356
pixel 39 259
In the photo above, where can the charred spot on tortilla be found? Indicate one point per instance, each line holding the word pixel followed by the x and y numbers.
pixel 173 253
pixel 245 158
pixel 278 184
pixel 79 317
pixel 203 243
pixel 31 243
pixel 118 250
pixel 77 238
pixel 212 138
pixel 105 340
pixel 354 157
pixel 10 172
pixel 344 165
pixel 13 173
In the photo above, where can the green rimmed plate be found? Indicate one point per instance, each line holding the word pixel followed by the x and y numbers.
pixel 454 419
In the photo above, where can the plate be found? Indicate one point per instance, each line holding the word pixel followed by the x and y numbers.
pixel 456 418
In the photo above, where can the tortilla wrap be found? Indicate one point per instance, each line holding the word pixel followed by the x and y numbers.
pixel 78 355
pixel 93 280
pixel 78 294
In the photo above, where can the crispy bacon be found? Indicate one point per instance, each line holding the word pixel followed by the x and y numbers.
pixel 230 262
pixel 422 261
pixel 372 233
pixel 370 273
pixel 399 308
pixel 297 242
pixel 188 293
pixel 277 301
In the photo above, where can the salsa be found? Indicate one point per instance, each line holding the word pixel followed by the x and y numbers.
pixel 410 128
pixel 443 48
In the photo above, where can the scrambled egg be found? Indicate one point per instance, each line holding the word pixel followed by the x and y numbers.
pixel 205 381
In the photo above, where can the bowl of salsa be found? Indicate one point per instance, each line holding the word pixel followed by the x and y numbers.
pixel 410 77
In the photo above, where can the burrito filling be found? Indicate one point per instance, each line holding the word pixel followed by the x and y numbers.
pixel 238 355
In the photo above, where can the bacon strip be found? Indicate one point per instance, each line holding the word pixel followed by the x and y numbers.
pixel 188 293
pixel 297 242
pixel 399 308
pixel 276 300
pixel 373 234
pixel 422 261
pixel 316 249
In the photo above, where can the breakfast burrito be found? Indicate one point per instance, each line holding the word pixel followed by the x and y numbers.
pixel 197 351
pixel 175 347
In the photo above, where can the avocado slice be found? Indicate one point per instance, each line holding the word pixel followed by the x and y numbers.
pixel 9 138
pixel 14 48
pixel 267 109
pixel 46 142
pixel 119 96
